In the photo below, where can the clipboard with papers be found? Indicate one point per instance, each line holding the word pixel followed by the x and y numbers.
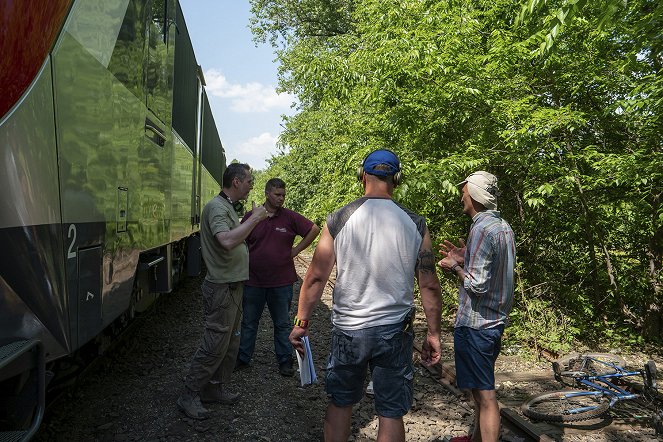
pixel 306 367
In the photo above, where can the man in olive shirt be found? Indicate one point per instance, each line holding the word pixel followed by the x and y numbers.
pixel 227 260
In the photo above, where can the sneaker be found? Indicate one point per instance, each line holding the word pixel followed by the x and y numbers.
pixel 241 365
pixel 215 393
pixel 369 389
pixel 285 368
pixel 191 406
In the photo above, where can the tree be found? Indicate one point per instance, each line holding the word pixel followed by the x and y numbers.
pixel 452 87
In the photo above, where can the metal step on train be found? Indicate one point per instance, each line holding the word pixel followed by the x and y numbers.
pixel 25 398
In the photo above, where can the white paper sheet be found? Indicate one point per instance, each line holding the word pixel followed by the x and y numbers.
pixel 306 367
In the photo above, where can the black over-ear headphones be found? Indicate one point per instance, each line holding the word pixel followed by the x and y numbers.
pixel 238 206
pixel 397 178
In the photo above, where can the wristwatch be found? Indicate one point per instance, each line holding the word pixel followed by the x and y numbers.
pixel 455 266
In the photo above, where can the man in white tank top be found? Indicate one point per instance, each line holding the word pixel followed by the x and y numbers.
pixel 379 248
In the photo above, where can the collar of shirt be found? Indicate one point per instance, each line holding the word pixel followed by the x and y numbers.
pixel 486 213
pixel 277 212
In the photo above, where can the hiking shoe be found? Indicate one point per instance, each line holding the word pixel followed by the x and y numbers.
pixel 285 368
pixel 192 407
pixel 241 365
pixel 369 389
pixel 215 393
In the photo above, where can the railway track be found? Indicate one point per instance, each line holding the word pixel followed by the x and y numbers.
pixel 445 375
pixel 515 385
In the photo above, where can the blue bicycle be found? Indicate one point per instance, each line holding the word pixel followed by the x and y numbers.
pixel 595 377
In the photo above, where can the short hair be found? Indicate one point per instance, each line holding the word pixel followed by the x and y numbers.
pixel 235 170
pixel 274 183
pixel 389 179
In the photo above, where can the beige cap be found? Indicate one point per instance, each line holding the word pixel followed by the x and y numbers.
pixel 483 189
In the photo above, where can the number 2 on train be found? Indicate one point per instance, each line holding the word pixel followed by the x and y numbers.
pixel 71 234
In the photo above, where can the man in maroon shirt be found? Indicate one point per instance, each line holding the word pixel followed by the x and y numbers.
pixel 272 274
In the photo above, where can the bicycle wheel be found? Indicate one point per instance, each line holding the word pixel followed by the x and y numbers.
pixel 650 374
pixel 565 406
pixel 574 365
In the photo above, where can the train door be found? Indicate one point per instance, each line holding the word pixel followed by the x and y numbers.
pixel 188 83
pixel 187 110
pixel 194 255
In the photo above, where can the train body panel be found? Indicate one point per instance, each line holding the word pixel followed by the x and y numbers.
pixel 33 301
pixel 107 155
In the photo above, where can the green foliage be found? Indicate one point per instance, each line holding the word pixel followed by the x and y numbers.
pixel 541 326
pixel 574 137
pixel 276 20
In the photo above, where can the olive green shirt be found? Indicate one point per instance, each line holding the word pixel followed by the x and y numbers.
pixel 223 266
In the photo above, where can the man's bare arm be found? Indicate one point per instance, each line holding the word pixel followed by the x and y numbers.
pixel 306 241
pixel 231 239
pixel 314 283
pixel 431 299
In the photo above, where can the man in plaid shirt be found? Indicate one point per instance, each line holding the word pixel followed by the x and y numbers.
pixel 484 267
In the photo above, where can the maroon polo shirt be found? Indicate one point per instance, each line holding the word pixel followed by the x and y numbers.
pixel 270 245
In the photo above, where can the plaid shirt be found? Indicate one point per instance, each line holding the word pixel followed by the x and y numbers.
pixel 486 296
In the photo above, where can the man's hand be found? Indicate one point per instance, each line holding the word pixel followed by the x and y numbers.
pixel 430 350
pixel 447 263
pixel 456 253
pixel 452 255
pixel 259 212
pixel 295 338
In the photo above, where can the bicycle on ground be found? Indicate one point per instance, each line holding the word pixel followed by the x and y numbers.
pixel 599 382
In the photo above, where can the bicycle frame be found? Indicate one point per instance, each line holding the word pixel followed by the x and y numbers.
pixel 597 389
pixel 615 392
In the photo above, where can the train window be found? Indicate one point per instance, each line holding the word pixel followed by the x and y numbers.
pixel 143 56
pixel 127 60
pixel 159 66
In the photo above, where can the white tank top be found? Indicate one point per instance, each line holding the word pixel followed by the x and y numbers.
pixel 376 242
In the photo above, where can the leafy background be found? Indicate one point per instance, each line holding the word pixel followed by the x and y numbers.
pixel 562 100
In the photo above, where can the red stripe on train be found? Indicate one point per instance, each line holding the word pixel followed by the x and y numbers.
pixel 27 33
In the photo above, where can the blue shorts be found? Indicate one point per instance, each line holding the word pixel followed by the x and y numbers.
pixel 475 353
pixel 387 350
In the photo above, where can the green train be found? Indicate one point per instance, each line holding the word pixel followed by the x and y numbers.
pixel 108 148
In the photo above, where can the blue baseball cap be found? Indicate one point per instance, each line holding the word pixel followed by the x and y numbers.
pixel 382 157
